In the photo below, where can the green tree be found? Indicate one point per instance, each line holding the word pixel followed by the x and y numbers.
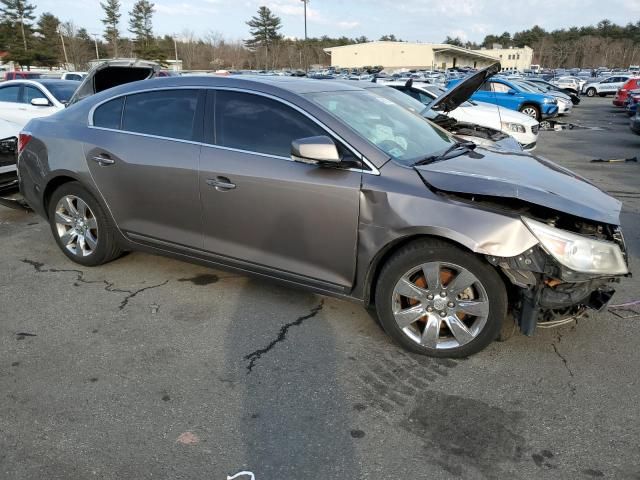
pixel 47 46
pixel 140 24
pixel 454 41
pixel 389 38
pixel 111 22
pixel 19 14
pixel 264 30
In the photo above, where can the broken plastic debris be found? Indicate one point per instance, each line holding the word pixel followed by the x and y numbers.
pixel 188 438
pixel 239 474
pixel 154 308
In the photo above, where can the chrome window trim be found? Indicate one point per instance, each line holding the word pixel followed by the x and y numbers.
pixel 372 169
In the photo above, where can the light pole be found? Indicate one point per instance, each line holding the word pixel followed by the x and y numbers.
pixel 95 41
pixel 304 46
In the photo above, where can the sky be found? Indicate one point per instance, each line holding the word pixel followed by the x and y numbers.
pixel 412 20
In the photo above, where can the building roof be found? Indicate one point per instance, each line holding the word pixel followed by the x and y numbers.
pixel 436 47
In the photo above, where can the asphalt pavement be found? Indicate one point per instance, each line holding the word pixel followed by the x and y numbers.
pixel 152 368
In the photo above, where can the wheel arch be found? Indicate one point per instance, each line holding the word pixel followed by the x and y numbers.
pixel 52 185
pixel 389 249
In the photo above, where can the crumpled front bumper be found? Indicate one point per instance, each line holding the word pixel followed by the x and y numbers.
pixel 545 291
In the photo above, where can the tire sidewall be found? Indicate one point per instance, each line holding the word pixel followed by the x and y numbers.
pixel 485 273
pixel 538 115
pixel 101 251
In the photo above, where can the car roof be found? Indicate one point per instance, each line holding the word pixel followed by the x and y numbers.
pixel 290 84
pixel 45 82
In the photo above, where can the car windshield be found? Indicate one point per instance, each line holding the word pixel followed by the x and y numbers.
pixel 62 90
pixel 400 98
pixel 402 135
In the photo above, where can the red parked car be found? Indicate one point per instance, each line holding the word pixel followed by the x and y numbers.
pixel 21 75
pixel 623 92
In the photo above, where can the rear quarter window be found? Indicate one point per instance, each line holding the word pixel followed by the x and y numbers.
pixel 109 115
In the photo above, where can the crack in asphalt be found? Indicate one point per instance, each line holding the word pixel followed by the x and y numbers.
pixel 108 286
pixel 253 357
pixel 566 365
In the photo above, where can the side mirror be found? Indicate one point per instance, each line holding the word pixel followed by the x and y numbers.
pixel 40 102
pixel 315 150
pixel 512 91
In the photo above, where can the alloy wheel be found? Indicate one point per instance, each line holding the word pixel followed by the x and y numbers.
pixel 76 226
pixel 440 305
pixel 530 111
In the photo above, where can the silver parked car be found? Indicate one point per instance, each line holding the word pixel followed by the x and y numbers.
pixel 328 186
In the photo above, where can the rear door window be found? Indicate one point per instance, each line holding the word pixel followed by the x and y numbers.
pixel 9 94
pixel 258 124
pixel 163 113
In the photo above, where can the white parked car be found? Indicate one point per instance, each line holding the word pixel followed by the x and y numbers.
pixel 77 76
pixel 608 86
pixel 520 126
pixel 8 146
pixel 22 100
pixel 574 84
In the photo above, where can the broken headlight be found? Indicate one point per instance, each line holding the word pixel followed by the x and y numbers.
pixel 513 127
pixel 577 252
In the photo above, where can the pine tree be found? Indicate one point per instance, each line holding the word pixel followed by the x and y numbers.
pixel 264 31
pixel 140 24
pixel 47 46
pixel 111 21
pixel 18 13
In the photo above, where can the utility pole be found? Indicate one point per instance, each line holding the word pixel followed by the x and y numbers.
pixel 64 49
pixel 175 46
pixel 95 41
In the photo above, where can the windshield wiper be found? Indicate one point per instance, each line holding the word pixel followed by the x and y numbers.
pixel 458 148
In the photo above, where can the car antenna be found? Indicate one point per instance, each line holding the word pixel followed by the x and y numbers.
pixel 409 83
pixel 374 79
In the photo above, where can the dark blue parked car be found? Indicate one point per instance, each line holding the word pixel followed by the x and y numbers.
pixel 508 94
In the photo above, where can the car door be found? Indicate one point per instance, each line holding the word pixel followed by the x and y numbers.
pixel 9 104
pixel 143 157
pixel 275 215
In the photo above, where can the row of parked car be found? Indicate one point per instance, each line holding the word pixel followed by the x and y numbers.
pixel 628 97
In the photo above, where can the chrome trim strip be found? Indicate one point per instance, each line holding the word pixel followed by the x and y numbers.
pixel 372 168
pixel 9 168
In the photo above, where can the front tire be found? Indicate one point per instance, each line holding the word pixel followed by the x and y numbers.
pixel 82 229
pixel 591 92
pixel 436 299
pixel 532 111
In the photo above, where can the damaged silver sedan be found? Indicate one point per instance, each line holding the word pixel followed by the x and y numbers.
pixel 333 188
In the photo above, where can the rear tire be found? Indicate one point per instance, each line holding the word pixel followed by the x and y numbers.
pixel 467 306
pixel 602 94
pixel 81 227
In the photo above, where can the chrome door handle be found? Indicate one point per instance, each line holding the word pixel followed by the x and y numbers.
pixel 103 161
pixel 221 183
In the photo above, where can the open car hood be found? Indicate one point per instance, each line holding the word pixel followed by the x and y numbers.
pixel 523 177
pixel 112 73
pixel 462 91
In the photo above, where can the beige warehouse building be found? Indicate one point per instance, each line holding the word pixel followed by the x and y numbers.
pixel 510 58
pixel 407 55
pixel 426 55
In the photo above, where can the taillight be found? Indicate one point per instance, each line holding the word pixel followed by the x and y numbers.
pixel 23 139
